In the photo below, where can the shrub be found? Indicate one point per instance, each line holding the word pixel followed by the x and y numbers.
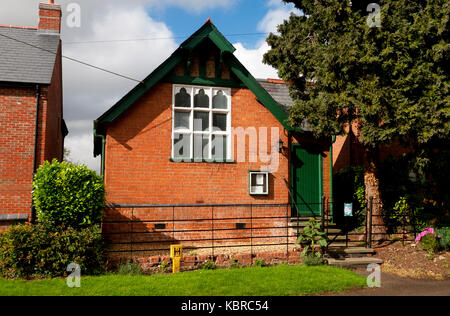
pixel 312 236
pixel 260 263
pixel 312 260
pixel 68 195
pixel 430 244
pixel 235 264
pixel 209 266
pixel 36 251
pixel 130 268
pixel 163 266
pixel 444 237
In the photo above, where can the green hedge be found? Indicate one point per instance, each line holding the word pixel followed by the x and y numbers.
pixel 68 195
pixel 35 251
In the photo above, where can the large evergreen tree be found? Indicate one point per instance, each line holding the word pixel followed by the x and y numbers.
pixel 392 80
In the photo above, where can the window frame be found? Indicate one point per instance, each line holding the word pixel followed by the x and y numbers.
pixel 267 186
pixel 210 91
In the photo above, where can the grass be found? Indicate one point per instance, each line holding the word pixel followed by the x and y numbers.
pixel 274 281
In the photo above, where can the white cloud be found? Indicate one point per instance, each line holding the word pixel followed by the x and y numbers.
pixel 252 60
pixel 277 13
pixel 23 12
pixel 88 93
pixel 81 148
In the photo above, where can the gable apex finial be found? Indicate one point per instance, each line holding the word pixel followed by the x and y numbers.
pixel 209 21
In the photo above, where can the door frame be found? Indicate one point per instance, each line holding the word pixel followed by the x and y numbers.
pixel 294 146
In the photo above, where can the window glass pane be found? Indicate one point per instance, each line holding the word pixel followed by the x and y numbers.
pixel 183 99
pixel 201 146
pixel 220 122
pixel 201 100
pixel 182 120
pixel 182 146
pixel 220 101
pixel 201 121
pixel 219 147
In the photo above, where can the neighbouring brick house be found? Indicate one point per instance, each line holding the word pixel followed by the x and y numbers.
pixel 167 150
pixel 32 128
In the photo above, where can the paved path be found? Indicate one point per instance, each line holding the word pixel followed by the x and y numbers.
pixel 392 285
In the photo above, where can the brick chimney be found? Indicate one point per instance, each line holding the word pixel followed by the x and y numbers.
pixel 50 17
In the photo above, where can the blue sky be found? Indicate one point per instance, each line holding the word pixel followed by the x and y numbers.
pixel 242 17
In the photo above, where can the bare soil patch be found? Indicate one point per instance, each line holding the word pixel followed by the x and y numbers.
pixel 411 261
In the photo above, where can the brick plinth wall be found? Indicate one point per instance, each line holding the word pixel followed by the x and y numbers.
pixel 194 227
pixel 221 261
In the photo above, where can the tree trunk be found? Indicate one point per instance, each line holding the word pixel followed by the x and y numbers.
pixel 372 183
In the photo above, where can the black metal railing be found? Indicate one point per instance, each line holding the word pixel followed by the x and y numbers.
pixel 372 228
pixel 132 229
pixel 149 229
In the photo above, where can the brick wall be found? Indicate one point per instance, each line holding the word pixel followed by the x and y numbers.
pixel 138 149
pixel 138 170
pixel 349 151
pixel 50 138
pixel 17 139
pixel 17 130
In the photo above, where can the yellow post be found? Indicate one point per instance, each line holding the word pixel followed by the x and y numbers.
pixel 176 252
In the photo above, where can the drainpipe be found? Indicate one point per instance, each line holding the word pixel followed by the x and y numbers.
pixel 36 139
pixel 331 175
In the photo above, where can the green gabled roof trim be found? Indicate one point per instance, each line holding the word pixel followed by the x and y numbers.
pixel 261 94
pixel 208 30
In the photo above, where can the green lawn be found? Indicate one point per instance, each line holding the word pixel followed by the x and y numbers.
pixel 275 281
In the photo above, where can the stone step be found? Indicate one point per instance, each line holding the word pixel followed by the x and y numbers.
pixel 349 252
pixel 354 262
pixel 330 230
pixel 306 219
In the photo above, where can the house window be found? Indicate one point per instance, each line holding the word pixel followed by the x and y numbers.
pixel 201 124
pixel 259 182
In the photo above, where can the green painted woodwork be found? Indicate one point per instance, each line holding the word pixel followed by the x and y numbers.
pixel 162 73
pixel 307 183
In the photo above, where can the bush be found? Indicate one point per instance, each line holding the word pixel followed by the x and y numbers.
pixel 130 268
pixel 260 263
pixel 444 240
pixel 68 195
pixel 312 260
pixel 311 237
pixel 209 266
pixel 430 244
pixel 36 251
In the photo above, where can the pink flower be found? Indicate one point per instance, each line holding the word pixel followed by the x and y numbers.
pixel 424 233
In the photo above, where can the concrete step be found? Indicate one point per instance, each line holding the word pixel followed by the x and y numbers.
pixel 354 262
pixel 306 219
pixel 349 252
pixel 330 230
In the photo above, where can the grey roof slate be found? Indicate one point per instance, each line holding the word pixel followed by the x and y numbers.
pixel 280 93
pixel 24 63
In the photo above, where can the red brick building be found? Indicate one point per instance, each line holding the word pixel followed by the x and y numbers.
pixel 201 131
pixel 32 128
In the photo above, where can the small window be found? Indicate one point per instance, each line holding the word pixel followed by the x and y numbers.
pixel 259 183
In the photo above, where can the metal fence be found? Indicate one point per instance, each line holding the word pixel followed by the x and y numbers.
pixel 372 227
pixel 145 230
pixel 149 229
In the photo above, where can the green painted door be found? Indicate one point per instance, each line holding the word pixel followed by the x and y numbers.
pixel 306 181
